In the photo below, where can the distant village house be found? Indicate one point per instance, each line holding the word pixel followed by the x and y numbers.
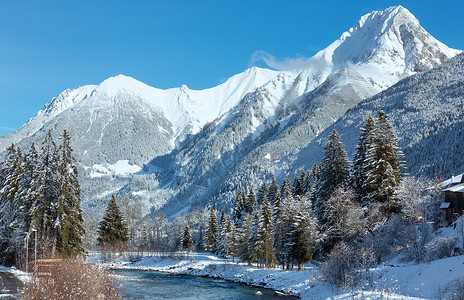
pixel 453 205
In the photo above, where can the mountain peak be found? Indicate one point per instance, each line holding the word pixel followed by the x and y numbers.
pixel 385 42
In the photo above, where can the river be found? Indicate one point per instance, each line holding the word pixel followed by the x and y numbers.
pixel 155 285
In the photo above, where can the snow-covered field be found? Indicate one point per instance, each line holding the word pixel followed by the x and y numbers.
pixel 402 281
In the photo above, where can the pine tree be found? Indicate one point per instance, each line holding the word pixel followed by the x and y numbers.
pixel 187 242
pixel 239 206
pixel 286 189
pixel 265 237
pixel 228 239
pixel 243 250
pixel 251 204
pixel 253 235
pixel 360 167
pixel 282 219
pixel 112 230
pixel 334 172
pixel 45 190
pixel 299 184
pixel 262 193
pixel 303 234
pixel 384 165
pixel 12 213
pixel 211 237
pixel 273 195
pixel 68 219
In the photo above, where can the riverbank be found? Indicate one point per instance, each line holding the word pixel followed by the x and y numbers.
pixel 409 281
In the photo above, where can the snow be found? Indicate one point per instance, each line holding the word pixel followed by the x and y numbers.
pixel 407 281
pixel 120 168
pixel 21 275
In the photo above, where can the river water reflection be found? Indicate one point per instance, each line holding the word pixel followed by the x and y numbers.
pixel 156 285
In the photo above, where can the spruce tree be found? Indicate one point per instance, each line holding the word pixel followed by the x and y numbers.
pixel 299 184
pixel 360 166
pixel 251 204
pixel 45 190
pixel 187 242
pixel 262 193
pixel 334 172
pixel 239 206
pixel 211 238
pixel 68 220
pixel 286 189
pixel 112 230
pixel 243 251
pixel 265 238
pixel 384 165
pixel 273 194
pixel 303 234
pixel 11 211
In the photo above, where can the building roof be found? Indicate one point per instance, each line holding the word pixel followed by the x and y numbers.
pixel 459 188
pixel 453 180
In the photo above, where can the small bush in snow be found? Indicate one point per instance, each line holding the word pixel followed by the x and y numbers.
pixel 455 290
pixel 418 235
pixel 339 268
pixel 441 247
pixel 72 279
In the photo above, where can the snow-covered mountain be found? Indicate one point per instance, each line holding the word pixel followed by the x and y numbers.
pixel 427 112
pixel 198 146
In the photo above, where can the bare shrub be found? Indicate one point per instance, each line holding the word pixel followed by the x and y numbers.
pixel 441 247
pixel 455 290
pixel 72 279
pixel 418 235
pixel 339 268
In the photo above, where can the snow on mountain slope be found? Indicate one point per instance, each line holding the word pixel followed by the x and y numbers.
pixel 261 135
pixel 426 111
pixel 198 146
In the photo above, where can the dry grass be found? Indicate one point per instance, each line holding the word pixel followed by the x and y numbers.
pixel 72 279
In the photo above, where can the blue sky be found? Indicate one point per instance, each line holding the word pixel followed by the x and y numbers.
pixel 49 46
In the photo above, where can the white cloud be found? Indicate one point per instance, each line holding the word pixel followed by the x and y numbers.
pixel 299 62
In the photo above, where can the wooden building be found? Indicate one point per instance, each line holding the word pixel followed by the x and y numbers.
pixel 453 205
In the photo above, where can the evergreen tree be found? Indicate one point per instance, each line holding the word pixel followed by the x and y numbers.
pixel 299 184
pixel 307 184
pixel 384 165
pixel 228 239
pixel 303 234
pixel 68 219
pixel 243 251
pixel 112 230
pixel 187 242
pixel 262 193
pixel 211 238
pixel 45 190
pixel 239 206
pixel 253 235
pixel 265 238
pixel 273 194
pixel 286 189
pixel 11 210
pixel 251 204
pixel 282 221
pixel 334 172
pixel 360 167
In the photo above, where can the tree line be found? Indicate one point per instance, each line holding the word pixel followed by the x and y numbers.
pixel 40 197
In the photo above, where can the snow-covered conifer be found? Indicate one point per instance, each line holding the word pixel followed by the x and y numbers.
pixel 112 230
pixel 211 238
pixel 334 172
pixel 384 164
pixel 360 168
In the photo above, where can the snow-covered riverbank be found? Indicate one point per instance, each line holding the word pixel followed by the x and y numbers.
pixel 411 281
